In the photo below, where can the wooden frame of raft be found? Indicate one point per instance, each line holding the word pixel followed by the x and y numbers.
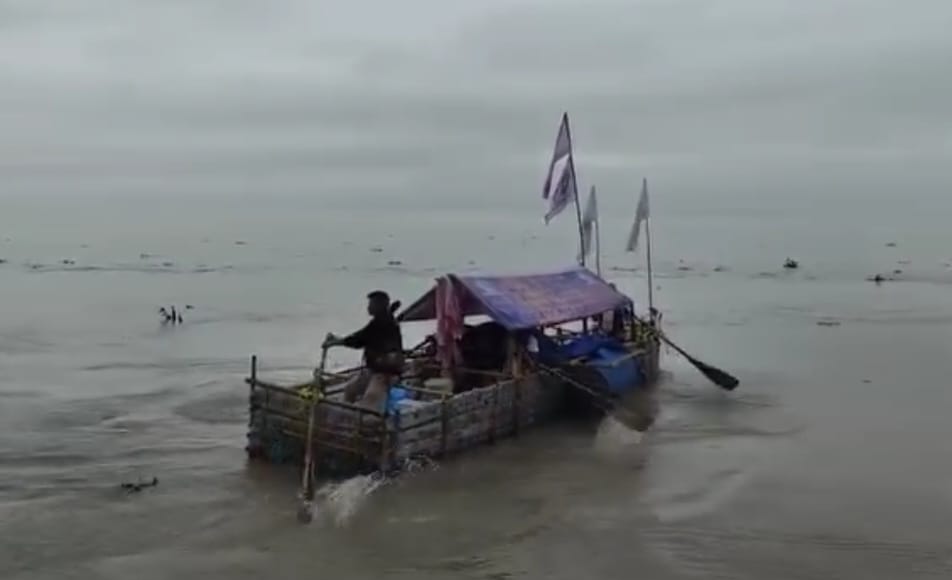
pixel 350 439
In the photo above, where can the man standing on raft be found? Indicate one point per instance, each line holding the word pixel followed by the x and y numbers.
pixel 382 343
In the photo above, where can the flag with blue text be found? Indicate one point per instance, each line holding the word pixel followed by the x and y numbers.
pixel 560 187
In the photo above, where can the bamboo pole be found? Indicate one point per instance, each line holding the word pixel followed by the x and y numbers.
pixel 516 370
pixel 307 476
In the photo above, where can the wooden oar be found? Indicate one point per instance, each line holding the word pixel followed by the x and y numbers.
pixel 307 478
pixel 717 376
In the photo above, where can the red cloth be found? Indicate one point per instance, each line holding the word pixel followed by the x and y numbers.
pixel 449 321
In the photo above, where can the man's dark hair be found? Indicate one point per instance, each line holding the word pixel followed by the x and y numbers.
pixel 379 295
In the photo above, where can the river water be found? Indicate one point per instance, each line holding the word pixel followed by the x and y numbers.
pixel 830 460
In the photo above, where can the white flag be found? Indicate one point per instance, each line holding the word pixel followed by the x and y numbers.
pixel 641 214
pixel 560 187
pixel 589 222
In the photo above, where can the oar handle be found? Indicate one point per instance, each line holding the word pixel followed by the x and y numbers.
pixel 717 376
pixel 661 335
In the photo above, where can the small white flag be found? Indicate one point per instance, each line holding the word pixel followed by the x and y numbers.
pixel 641 214
pixel 589 223
pixel 560 187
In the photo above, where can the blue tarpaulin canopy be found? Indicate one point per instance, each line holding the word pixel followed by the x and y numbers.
pixel 527 301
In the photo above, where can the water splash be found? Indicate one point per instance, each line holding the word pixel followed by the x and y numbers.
pixel 416 465
pixel 613 435
pixel 342 500
pixel 619 446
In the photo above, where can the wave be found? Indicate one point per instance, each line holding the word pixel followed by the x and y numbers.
pixel 22 341
pixel 15 394
pixel 39 458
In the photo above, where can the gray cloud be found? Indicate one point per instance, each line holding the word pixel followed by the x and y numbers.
pixel 416 98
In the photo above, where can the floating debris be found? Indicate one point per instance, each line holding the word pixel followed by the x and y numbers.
pixel 891 245
pixel 684 268
pixel 137 487
pixel 67 262
pixel 720 268
pixel 376 249
pixel 791 264
pixel 241 243
pixel 828 322
pixel 897 271
pixel 168 264
pixel 394 263
pixel 3 261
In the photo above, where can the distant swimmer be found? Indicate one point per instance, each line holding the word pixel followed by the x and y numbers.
pixel 170 316
pixel 139 486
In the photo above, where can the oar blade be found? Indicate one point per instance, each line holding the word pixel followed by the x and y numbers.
pixel 723 379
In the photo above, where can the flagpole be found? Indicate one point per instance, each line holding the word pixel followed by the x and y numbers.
pixel 578 216
pixel 598 248
pixel 648 261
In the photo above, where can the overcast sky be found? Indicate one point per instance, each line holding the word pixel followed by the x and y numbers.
pixel 453 99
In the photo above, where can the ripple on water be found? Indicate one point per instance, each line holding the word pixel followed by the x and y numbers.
pixel 164 268
pixel 226 407
pixel 165 365
pixel 735 551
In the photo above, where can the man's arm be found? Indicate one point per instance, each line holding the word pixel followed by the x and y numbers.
pixel 356 339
